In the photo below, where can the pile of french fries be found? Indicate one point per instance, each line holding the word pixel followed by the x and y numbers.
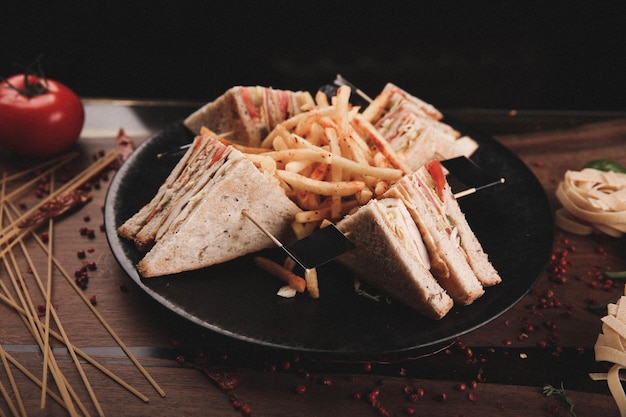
pixel 330 160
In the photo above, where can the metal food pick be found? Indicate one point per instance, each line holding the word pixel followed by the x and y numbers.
pixel 466 177
pixel 320 247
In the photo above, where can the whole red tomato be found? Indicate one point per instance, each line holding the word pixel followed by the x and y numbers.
pixel 39 117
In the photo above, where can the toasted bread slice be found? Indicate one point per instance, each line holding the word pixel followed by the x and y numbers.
pixel 203 147
pixel 414 128
pixel 449 261
pixel 196 219
pixel 388 256
pixel 475 254
pixel 211 228
pixel 248 113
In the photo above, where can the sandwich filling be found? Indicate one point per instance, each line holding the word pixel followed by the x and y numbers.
pixel 428 187
pixel 207 155
pixel 405 229
pixel 414 128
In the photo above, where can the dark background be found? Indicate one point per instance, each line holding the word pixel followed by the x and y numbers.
pixel 499 54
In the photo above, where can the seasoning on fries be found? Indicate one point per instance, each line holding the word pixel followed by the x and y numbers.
pixel 329 160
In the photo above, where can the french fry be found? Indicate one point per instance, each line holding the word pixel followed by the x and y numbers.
pixel 330 159
pixel 304 125
pixel 292 122
pixel 279 130
pixel 301 230
pixel 329 121
pixel 325 188
pixel 265 163
pixel 362 153
pixel 364 196
pixel 293 280
pixel 336 171
pixel 312 285
pixel 306 199
pixel 376 107
pixel 289 263
pixel 299 166
pixel 381 187
pixel 343 105
pixel 316 135
pixel 321 99
pixel 322 213
pixel 317 154
pixel 325 223
pixel 381 144
pixel 320 172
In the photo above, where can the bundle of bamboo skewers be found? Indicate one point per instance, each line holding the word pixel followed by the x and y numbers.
pixel 20 237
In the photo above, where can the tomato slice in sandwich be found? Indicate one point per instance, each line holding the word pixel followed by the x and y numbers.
pixel 435 170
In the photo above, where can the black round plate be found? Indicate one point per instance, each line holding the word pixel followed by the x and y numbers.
pixel 513 221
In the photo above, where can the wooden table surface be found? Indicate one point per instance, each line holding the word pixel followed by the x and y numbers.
pixel 498 369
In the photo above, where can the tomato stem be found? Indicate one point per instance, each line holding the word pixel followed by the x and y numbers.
pixel 35 82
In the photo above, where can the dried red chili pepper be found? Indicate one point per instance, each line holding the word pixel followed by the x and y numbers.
pixel 57 206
